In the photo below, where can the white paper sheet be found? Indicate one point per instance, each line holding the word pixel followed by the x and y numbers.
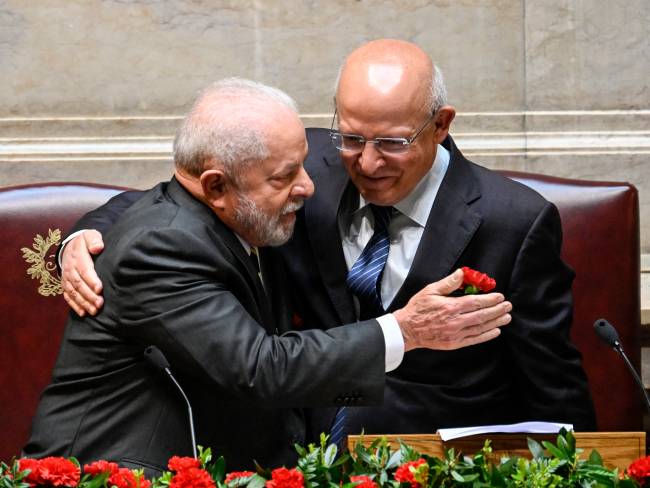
pixel 532 427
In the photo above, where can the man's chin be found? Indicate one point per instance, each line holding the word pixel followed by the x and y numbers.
pixel 281 237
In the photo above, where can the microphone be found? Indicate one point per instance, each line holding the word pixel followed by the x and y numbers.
pixel 158 360
pixel 607 333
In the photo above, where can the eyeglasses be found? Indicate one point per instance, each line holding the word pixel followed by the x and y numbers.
pixel 388 145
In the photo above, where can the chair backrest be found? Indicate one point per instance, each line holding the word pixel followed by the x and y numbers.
pixel 33 312
pixel 600 224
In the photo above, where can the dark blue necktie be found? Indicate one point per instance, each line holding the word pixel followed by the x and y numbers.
pixel 364 278
pixel 364 281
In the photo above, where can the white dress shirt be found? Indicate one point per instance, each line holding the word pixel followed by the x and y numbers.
pixel 405 231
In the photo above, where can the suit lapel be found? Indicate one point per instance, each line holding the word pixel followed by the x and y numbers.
pixel 449 228
pixel 183 198
pixel 321 218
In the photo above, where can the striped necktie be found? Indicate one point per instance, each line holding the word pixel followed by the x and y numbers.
pixel 364 278
pixel 364 281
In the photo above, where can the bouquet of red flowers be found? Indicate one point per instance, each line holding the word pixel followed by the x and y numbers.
pixel 556 465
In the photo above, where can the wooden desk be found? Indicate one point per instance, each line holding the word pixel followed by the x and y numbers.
pixel 618 449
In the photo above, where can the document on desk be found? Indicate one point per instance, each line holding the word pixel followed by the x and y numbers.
pixel 532 427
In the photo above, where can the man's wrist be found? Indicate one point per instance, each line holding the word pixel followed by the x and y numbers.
pixel 63 244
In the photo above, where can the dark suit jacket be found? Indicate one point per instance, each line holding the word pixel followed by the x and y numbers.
pixel 176 277
pixel 481 220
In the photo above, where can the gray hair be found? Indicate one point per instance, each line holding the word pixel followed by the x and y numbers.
pixel 437 97
pixel 223 126
pixel 438 94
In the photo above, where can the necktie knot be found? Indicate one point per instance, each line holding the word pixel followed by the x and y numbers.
pixel 382 216
pixel 255 258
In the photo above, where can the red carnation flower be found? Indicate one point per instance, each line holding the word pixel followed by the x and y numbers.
pixel 99 467
pixel 33 477
pixel 406 473
pixel 126 478
pixel 57 471
pixel 364 481
pixel 475 281
pixel 238 474
pixel 178 463
pixel 286 478
pixel 640 470
pixel 192 478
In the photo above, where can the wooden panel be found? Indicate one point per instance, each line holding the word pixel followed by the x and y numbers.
pixel 618 449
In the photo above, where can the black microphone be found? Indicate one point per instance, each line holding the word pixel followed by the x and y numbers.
pixel 607 333
pixel 159 361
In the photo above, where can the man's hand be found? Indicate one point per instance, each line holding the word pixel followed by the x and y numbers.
pixel 81 285
pixel 435 321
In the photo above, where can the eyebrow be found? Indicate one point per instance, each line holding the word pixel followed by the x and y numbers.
pixel 289 168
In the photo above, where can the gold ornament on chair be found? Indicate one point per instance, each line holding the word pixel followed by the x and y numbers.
pixel 43 267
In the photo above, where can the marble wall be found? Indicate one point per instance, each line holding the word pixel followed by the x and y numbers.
pixel 92 90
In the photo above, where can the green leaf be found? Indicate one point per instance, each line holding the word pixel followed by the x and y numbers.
pixel 457 476
pixel 563 446
pixel 558 453
pixel 256 482
pixel 329 456
pixel 97 481
pixel 594 458
pixel 218 469
pixel 535 448
pixel 205 455
pixel 395 460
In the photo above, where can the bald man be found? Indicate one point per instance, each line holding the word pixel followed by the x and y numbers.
pixel 390 149
pixel 179 273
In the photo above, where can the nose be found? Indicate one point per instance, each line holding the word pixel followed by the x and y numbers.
pixel 370 159
pixel 304 187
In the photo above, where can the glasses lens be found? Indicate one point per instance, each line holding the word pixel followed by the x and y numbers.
pixel 336 140
pixel 392 145
pixel 346 142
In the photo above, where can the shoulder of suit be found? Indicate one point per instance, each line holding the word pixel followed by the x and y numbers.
pixel 154 213
pixel 495 185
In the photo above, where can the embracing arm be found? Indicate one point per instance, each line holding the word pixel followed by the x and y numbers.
pixel 552 383
pixel 81 285
pixel 189 297
pixel 182 291
pixel 103 218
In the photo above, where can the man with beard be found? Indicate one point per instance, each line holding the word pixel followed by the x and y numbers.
pixel 179 273
pixel 390 148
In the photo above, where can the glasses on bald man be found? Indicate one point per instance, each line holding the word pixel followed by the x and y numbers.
pixel 354 143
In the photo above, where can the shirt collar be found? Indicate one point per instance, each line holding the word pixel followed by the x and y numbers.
pixel 417 204
pixel 247 246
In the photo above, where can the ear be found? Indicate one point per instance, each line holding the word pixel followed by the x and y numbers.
pixel 442 121
pixel 216 187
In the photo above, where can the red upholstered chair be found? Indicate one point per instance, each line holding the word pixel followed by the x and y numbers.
pixel 32 310
pixel 600 223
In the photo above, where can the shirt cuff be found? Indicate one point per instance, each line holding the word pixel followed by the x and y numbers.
pixel 65 241
pixel 393 339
